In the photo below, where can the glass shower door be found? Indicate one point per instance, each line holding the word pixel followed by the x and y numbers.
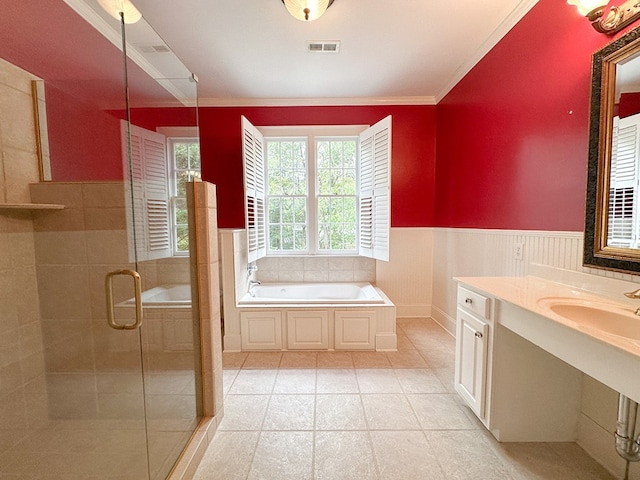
pixel 78 398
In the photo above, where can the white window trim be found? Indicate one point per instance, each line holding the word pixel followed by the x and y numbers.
pixel 311 135
pixel 379 197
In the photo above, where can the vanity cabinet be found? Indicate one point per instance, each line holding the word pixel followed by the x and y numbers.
pixel 520 392
pixel 473 339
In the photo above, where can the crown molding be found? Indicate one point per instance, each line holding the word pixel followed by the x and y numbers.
pixel 311 102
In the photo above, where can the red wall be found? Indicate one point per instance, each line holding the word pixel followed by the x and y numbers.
pixel 412 168
pixel 512 136
pixel 84 141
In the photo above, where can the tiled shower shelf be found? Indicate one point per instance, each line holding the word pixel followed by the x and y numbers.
pixel 30 206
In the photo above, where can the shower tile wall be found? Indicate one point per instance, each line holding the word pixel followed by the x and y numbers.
pixel 22 383
pixel 75 248
pixel 316 269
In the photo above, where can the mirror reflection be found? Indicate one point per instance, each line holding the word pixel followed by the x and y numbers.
pixel 623 225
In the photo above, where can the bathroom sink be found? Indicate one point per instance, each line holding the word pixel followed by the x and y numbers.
pixel 606 317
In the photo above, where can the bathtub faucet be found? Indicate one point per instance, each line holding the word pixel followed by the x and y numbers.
pixel 253 283
pixel 251 269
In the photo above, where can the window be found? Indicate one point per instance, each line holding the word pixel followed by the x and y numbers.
pixel 156 196
pixel 184 161
pixel 317 190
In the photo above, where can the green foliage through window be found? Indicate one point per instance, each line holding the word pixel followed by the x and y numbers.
pixel 333 197
pixel 185 168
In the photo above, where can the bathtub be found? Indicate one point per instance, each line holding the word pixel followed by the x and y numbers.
pixel 307 293
pixel 165 296
pixel 312 316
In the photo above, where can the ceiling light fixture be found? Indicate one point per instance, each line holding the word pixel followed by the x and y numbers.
pixel 307 10
pixel 615 18
pixel 115 7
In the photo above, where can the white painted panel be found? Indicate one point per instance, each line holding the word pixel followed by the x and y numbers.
pixel 261 330
pixel 307 330
pixel 355 330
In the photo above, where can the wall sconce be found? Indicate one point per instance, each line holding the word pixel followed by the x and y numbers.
pixel 115 7
pixel 307 10
pixel 615 19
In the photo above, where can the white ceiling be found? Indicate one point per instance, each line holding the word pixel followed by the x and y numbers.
pixel 392 51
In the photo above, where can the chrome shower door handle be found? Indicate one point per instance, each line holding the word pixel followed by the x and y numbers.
pixel 137 285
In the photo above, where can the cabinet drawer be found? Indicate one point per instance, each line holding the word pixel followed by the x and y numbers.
pixel 474 302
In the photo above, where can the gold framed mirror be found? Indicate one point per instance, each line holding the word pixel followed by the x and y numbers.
pixel 612 227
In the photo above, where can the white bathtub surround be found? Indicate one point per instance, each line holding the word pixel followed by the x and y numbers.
pixel 316 316
pixel 358 326
pixel 305 293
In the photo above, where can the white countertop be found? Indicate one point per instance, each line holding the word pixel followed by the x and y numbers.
pixel 526 293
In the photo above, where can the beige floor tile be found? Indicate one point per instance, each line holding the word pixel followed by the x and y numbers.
pixel 465 455
pixel 253 381
pixel 228 457
pixel 244 412
pixel 404 343
pixel 358 404
pixel 263 360
pixel 389 411
pixel 405 455
pixel 532 461
pixel 378 381
pixel 440 412
pixel 421 380
pixel 228 377
pixel 340 412
pixel 290 412
pixel 295 381
pixel 370 360
pixel 299 360
pixel 283 456
pixel 406 359
pixel 337 381
pixel 343 455
pixel 335 360
pixel 233 359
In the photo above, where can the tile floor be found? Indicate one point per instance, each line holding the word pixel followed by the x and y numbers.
pixel 368 415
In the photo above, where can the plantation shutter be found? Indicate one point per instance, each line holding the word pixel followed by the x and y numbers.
pixel 147 195
pixel 623 185
pixel 375 190
pixel 254 190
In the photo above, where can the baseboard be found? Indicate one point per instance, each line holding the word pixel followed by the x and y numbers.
pixel 445 321
pixel 413 311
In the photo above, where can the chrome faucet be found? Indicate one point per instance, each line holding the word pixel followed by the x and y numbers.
pixel 634 294
pixel 253 283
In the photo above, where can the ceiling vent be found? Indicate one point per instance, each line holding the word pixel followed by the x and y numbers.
pixel 323 46
pixel 153 48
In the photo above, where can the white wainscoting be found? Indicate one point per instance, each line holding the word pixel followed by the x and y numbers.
pixel 467 252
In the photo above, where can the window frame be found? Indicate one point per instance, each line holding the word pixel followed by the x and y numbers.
pixel 173 187
pixel 311 133
pixel 374 202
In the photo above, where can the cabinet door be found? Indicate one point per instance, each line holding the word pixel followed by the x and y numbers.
pixel 355 330
pixel 472 336
pixel 307 330
pixel 261 330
